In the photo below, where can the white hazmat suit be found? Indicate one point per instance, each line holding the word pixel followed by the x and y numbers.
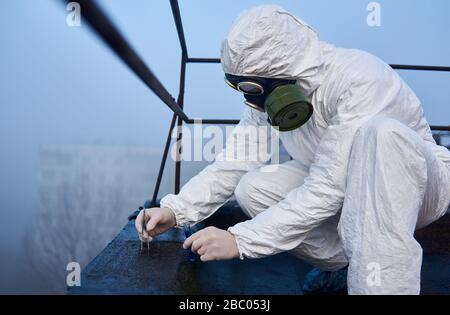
pixel 366 171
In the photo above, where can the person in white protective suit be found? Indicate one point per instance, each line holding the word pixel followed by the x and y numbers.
pixel 366 171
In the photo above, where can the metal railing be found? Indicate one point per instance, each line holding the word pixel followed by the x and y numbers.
pixel 110 34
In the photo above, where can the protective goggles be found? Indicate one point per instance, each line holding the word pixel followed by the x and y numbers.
pixel 247 87
pixel 255 89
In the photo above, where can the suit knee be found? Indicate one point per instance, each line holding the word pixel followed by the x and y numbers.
pixel 243 193
pixel 381 128
pixel 251 194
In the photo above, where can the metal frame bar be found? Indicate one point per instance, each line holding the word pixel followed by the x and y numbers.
pixel 112 37
pixel 184 57
pixel 421 68
pixel 440 128
pixel 163 161
pixel 394 66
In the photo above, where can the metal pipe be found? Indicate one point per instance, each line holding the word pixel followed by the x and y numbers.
pixel 203 60
pixel 179 25
pixel 184 57
pixel 180 125
pixel 394 66
pixel 440 128
pixel 421 68
pixel 163 161
pixel 213 121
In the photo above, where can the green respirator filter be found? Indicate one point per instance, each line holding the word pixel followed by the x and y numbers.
pixel 288 108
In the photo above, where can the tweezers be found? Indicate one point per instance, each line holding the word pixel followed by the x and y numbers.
pixel 144 244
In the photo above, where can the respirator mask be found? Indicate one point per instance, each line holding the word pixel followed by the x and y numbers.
pixel 283 101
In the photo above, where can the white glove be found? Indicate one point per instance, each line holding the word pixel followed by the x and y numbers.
pixel 157 221
pixel 213 244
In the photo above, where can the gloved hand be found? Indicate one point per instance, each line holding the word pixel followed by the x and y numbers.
pixel 213 244
pixel 157 221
